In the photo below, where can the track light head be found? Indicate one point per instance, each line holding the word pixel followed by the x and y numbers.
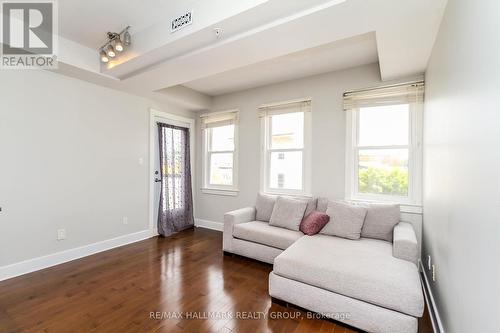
pixel 118 44
pixel 104 57
pixel 127 39
pixel 110 51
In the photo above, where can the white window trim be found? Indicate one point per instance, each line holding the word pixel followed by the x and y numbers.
pixel 225 190
pixel 306 154
pixel 414 160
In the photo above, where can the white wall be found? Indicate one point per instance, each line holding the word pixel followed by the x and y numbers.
pixel 69 159
pixel 328 134
pixel 462 160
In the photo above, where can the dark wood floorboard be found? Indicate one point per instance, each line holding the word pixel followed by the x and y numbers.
pixel 117 290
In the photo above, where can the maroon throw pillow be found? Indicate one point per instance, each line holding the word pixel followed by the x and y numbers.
pixel 313 223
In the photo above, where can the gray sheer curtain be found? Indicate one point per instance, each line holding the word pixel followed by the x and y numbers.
pixel 176 201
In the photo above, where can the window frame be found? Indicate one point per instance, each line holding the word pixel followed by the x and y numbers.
pixel 415 110
pixel 208 188
pixel 266 149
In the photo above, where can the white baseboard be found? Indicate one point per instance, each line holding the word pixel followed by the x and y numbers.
pixel 219 226
pixel 437 324
pixel 35 264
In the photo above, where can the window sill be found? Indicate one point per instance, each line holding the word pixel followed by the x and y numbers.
pixel 405 207
pixel 288 194
pixel 218 191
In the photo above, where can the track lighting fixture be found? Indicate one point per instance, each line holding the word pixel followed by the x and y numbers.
pixel 114 44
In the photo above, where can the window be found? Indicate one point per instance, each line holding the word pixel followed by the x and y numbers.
pixel 286 148
pixel 220 152
pixel 383 144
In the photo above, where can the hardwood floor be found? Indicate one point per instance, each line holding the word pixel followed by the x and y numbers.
pixel 183 283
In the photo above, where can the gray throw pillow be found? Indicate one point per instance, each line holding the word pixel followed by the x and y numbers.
pixel 345 220
pixel 380 221
pixel 265 204
pixel 264 207
pixel 288 213
pixel 311 205
pixel 322 204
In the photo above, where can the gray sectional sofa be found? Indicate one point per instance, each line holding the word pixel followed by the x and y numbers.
pixel 371 284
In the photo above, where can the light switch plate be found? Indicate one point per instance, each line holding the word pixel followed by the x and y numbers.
pixel 61 234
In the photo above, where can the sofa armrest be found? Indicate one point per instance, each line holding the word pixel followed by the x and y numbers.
pixel 242 215
pixel 234 217
pixel 405 245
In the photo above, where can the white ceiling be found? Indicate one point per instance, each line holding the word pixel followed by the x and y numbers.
pixel 346 53
pixel 263 41
pixel 87 21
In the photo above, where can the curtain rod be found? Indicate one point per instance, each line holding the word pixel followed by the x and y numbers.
pixel 209 114
pixel 278 104
pixel 413 83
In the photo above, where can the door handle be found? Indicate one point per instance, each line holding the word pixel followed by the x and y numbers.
pixel 156 179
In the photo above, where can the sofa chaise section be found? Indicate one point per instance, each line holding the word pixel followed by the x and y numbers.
pixel 356 313
pixel 363 269
pixel 363 278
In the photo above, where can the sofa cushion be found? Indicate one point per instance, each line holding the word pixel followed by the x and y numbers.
pixel 311 205
pixel 380 221
pixel 346 220
pixel 265 204
pixel 264 207
pixel 363 269
pixel 263 233
pixel 288 213
pixel 322 204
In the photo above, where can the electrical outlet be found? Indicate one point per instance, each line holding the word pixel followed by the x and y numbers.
pixel 61 234
pixel 429 261
pixel 433 273
pixel 125 220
